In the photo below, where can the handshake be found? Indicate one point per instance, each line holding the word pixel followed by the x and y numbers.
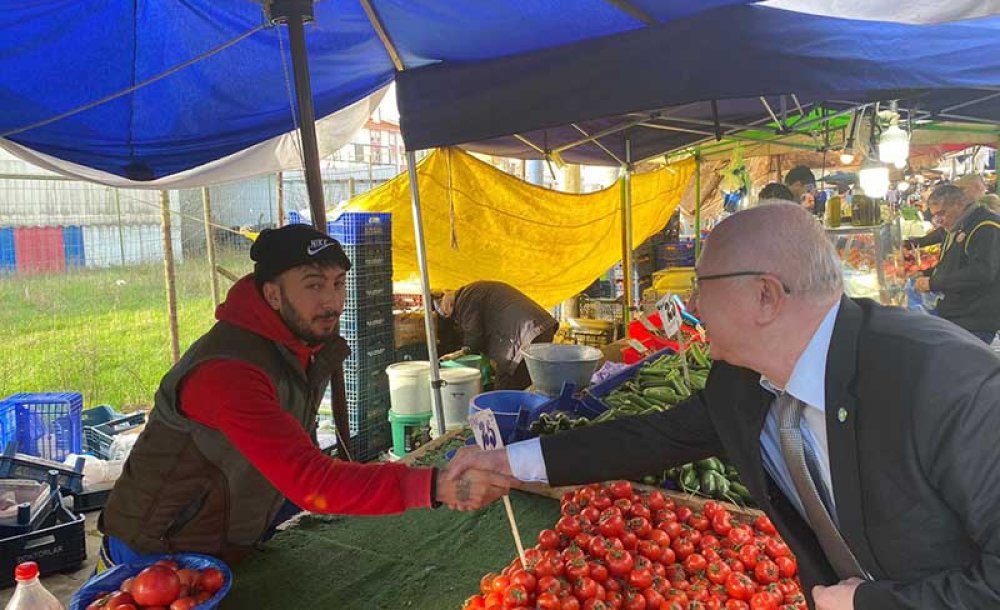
pixel 474 478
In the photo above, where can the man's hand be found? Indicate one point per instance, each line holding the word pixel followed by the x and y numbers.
pixel 837 597
pixel 471 490
pixel 474 457
pixel 807 201
pixel 453 355
pixel 922 284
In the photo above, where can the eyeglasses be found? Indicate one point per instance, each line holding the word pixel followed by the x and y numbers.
pixel 696 280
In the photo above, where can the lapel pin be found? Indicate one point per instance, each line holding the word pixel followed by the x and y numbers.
pixel 841 414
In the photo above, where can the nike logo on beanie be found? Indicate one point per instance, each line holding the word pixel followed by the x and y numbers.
pixel 318 245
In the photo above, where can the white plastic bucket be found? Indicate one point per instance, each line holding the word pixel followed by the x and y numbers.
pixel 461 385
pixel 409 387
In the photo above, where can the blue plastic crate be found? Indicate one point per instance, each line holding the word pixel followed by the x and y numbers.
pixel 355 228
pixel 566 402
pixel 294 218
pixel 370 351
pixel 367 289
pixel 362 321
pixel 98 439
pixel 594 394
pixel 368 413
pixel 370 257
pixel 48 425
pixel 7 423
pixel 369 444
pixel 8 255
pixel 361 383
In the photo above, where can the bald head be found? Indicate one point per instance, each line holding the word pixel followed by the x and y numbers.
pixel 783 239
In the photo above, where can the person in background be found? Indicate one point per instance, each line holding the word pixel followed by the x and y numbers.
pixel 776 191
pixel 877 475
pixel 802 183
pixel 974 188
pixel 992 201
pixel 968 272
pixel 497 321
pixel 232 434
pixel 972 185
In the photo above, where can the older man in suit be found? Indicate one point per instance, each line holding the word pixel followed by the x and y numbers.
pixel 866 433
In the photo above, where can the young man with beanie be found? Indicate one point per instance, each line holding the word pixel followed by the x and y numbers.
pixel 231 434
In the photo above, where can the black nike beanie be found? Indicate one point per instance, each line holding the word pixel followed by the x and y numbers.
pixel 278 250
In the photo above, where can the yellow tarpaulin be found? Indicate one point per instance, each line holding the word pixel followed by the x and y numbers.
pixel 483 224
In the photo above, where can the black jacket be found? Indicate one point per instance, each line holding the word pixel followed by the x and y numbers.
pixel 497 320
pixel 968 273
pixel 914 461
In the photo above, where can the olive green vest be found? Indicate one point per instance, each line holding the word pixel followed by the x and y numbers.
pixel 185 487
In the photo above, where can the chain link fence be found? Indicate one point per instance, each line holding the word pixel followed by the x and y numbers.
pixel 83 279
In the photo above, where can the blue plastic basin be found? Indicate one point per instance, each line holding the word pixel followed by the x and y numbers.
pixel 506 404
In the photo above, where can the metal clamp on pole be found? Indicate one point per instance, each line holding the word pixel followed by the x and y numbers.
pixel 279 11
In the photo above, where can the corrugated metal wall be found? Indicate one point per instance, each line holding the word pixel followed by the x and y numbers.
pixel 111 245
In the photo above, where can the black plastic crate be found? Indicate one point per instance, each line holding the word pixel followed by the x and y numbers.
pixel 15 465
pixel 370 257
pixel 59 545
pixel 98 439
pixel 358 322
pixel 28 517
pixel 90 500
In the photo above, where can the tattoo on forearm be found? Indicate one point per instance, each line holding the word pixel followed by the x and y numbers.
pixel 463 490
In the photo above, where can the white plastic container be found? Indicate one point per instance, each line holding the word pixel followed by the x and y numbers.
pixel 30 594
pixel 409 387
pixel 461 385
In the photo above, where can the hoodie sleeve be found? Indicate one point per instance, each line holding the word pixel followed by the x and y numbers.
pixel 240 401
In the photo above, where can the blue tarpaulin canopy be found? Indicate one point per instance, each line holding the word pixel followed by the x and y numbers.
pixel 149 89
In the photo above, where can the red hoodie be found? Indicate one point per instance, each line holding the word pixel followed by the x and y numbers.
pixel 239 400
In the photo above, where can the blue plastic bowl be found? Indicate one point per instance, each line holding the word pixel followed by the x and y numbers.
pixel 110 580
pixel 506 404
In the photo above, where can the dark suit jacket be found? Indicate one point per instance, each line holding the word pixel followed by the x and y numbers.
pixel 915 463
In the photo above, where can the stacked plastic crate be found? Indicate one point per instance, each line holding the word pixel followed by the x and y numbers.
pixel 367 325
pixel 37 432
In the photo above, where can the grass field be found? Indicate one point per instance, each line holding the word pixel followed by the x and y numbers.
pixel 102 332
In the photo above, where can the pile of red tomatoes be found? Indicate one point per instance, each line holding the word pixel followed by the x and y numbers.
pixel 614 547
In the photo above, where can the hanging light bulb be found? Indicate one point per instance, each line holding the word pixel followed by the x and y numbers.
pixel 846 157
pixel 894 146
pixel 903 186
pixel 874 179
pixel 900 163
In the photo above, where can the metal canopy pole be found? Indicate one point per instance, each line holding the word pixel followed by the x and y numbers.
pixel 627 232
pixel 295 13
pixel 697 205
pixel 425 286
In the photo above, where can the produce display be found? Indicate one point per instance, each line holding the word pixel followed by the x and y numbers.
pixel 659 385
pixel 711 477
pixel 616 548
pixel 165 586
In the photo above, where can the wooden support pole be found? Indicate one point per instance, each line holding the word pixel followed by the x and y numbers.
pixel 206 200
pixel 280 181
pixel 170 277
